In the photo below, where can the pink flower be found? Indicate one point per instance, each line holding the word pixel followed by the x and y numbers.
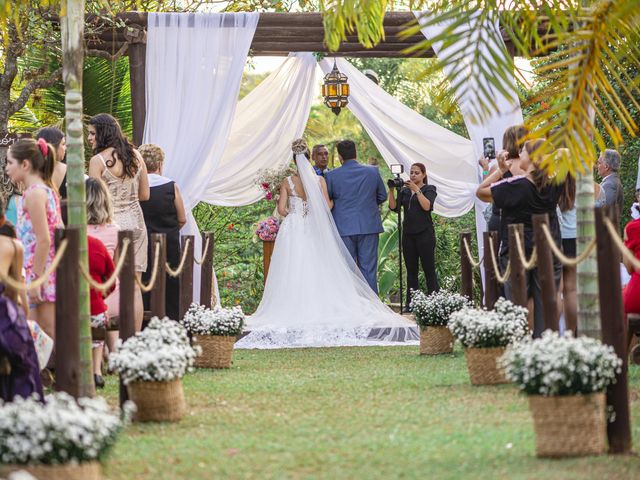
pixel 265 186
pixel 269 196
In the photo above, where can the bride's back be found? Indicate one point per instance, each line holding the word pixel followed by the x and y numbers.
pixel 297 185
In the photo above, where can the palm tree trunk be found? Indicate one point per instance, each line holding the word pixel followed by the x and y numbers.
pixel 588 306
pixel 72 16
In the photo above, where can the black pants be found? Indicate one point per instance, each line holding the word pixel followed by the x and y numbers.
pixel 420 246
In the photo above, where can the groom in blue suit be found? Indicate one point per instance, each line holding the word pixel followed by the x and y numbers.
pixel 357 191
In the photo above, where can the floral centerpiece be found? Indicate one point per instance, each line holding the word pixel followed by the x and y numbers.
pixel 485 335
pixel 565 379
pixel 267 229
pixel 60 439
pixel 269 180
pixel 151 365
pixel 215 330
pixel 432 313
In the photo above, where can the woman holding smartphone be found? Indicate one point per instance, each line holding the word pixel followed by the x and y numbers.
pixel 418 235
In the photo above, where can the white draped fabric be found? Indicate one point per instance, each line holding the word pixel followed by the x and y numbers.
pixel 193 71
pixel 265 123
pixel 404 136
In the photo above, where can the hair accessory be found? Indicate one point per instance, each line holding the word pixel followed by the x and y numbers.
pixel 44 148
pixel 299 146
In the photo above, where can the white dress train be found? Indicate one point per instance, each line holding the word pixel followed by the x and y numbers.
pixel 315 296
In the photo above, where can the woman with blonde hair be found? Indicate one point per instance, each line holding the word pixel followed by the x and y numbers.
pixel 164 212
pixel 100 225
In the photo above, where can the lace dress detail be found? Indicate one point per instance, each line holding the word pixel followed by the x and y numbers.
pixel 127 213
pixel 297 206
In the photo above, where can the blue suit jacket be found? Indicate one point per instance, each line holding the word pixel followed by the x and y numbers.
pixel 356 191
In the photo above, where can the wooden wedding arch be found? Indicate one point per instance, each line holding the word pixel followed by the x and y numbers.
pixel 277 34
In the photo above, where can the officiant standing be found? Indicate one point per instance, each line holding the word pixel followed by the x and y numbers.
pixel 356 191
pixel 418 235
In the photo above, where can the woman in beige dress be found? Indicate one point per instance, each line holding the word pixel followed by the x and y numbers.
pixel 122 168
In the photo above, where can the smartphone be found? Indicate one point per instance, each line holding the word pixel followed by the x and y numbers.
pixel 489 147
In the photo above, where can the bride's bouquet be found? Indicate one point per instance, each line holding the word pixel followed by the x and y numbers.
pixel 268 180
pixel 267 229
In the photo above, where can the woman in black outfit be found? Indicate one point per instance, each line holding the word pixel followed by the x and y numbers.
pixel 163 213
pixel 418 234
pixel 519 198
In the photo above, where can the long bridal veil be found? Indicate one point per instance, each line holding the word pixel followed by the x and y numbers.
pixel 315 294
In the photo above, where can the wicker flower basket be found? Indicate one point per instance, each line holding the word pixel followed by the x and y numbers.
pixel 483 369
pixel 217 350
pixel 569 426
pixel 158 401
pixel 435 340
pixel 82 471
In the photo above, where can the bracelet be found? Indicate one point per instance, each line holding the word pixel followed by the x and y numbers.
pixel 485 172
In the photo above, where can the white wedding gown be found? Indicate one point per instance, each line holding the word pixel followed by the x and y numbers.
pixel 315 295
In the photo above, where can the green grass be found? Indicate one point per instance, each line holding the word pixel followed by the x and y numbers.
pixel 349 413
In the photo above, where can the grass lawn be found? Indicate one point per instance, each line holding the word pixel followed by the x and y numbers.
pixel 350 413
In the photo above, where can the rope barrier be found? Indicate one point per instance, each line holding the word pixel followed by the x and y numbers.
pixel 38 282
pixel 204 254
pixel 564 260
pixel 473 263
pixel 154 273
pixel 178 271
pixel 501 278
pixel 528 265
pixel 103 287
pixel 626 253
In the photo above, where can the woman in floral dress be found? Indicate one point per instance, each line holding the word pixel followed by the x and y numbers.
pixel 32 162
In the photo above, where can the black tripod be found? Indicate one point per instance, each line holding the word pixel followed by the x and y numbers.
pixel 400 246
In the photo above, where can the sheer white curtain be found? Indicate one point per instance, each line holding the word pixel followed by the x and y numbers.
pixel 193 70
pixel 267 120
pixel 404 136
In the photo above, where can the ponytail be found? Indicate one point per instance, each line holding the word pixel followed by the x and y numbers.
pixel 40 154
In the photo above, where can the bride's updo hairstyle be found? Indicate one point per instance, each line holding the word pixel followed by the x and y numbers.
pixel 299 147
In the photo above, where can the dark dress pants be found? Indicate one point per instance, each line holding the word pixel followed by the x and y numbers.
pixel 420 248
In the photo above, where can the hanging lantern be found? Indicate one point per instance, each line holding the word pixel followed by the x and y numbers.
pixel 335 90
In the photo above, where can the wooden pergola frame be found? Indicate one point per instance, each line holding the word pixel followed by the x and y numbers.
pixel 277 34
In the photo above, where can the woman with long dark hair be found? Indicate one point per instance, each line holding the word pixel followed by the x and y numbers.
pixel 122 168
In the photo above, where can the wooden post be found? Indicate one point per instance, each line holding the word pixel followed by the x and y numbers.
pixel 544 265
pixel 267 251
pixel 137 50
pixel 157 300
pixel 492 287
pixel 186 277
pixel 67 326
pixel 613 332
pixel 206 275
pixel 517 279
pixel 127 298
pixel 465 267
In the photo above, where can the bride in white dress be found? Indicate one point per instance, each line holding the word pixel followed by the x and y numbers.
pixel 315 296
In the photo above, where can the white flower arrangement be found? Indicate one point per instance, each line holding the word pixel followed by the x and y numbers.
pixel 561 365
pixel 159 353
pixel 60 431
pixel 476 328
pixel 434 310
pixel 200 320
